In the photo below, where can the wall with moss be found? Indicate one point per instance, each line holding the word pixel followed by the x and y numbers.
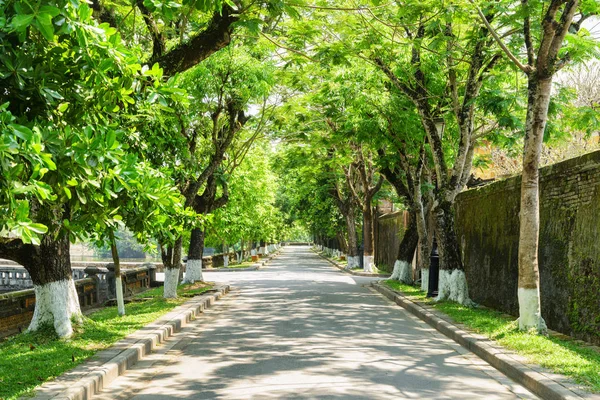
pixel 389 231
pixel 487 220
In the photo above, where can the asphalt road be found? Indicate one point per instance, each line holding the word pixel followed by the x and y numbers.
pixel 301 329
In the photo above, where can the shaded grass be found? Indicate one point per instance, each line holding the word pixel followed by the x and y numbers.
pixel 561 356
pixel 29 359
pixel 244 264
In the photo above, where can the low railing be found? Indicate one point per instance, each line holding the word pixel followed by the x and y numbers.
pixel 96 287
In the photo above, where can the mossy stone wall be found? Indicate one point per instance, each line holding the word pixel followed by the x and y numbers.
pixel 487 220
pixel 389 231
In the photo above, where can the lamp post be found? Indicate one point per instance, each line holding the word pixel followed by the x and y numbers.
pixel 434 258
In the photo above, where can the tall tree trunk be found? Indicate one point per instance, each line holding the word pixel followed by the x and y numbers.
pixel 530 314
pixel 424 250
pixel 196 250
pixel 171 257
pixel 262 250
pixel 406 252
pixel 352 241
pixel 118 280
pixel 56 300
pixel 225 255
pixel 368 239
pixel 452 280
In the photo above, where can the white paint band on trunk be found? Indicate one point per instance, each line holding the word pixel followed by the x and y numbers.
pixel 193 271
pixel 56 303
pixel 424 279
pixel 226 261
pixel 402 272
pixel 352 262
pixel 530 314
pixel 253 252
pixel 171 282
pixel 453 286
pixel 369 264
pixel 119 292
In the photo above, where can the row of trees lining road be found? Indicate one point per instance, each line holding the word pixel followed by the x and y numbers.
pixel 405 73
pixel 172 120
pixel 95 137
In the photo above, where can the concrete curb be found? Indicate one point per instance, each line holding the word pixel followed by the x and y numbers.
pixel 89 378
pixel 545 384
pixel 253 267
pixel 341 268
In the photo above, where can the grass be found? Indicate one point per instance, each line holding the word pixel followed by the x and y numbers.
pixel 561 356
pixel 29 359
pixel 377 271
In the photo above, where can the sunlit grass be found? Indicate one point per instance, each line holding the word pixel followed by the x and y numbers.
pixel 29 359
pixel 561 356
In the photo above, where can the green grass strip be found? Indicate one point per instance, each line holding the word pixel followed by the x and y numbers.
pixel 561 356
pixel 29 359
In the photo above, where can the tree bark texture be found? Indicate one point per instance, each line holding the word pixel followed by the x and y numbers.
pixel 118 281
pixel 529 279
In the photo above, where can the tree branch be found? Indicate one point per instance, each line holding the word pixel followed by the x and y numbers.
pixel 525 68
pixel 216 36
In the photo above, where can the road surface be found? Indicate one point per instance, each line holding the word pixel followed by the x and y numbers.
pixel 301 329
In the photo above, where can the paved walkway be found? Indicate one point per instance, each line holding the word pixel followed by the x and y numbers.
pixel 301 329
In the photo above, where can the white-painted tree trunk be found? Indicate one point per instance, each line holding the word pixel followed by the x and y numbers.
pixel 239 257
pixel 193 271
pixel 453 286
pixel 119 292
pixel 171 282
pixel 402 272
pixel 425 279
pixel 261 250
pixel 253 252
pixel 352 262
pixel 56 303
pixel 530 313
pixel 226 261
pixel 369 264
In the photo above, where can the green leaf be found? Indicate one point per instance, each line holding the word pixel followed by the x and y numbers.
pixel 22 132
pixel 21 22
pixel 52 10
pixel 37 228
pixel 68 192
pixel 45 26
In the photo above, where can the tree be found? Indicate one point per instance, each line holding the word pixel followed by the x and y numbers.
pixel 551 38
pixel 227 85
pixel 141 199
pixel 67 84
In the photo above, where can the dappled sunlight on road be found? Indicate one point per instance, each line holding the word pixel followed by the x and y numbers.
pixel 301 329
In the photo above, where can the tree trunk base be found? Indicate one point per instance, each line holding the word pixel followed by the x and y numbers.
pixel 171 282
pixel 530 315
pixel 453 286
pixel 193 271
pixel 56 303
pixel 369 264
pixel 352 262
pixel 424 279
pixel 119 292
pixel 402 272
pixel 226 261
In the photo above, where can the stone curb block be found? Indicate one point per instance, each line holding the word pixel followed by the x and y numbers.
pixel 89 379
pixel 500 358
pixel 341 268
